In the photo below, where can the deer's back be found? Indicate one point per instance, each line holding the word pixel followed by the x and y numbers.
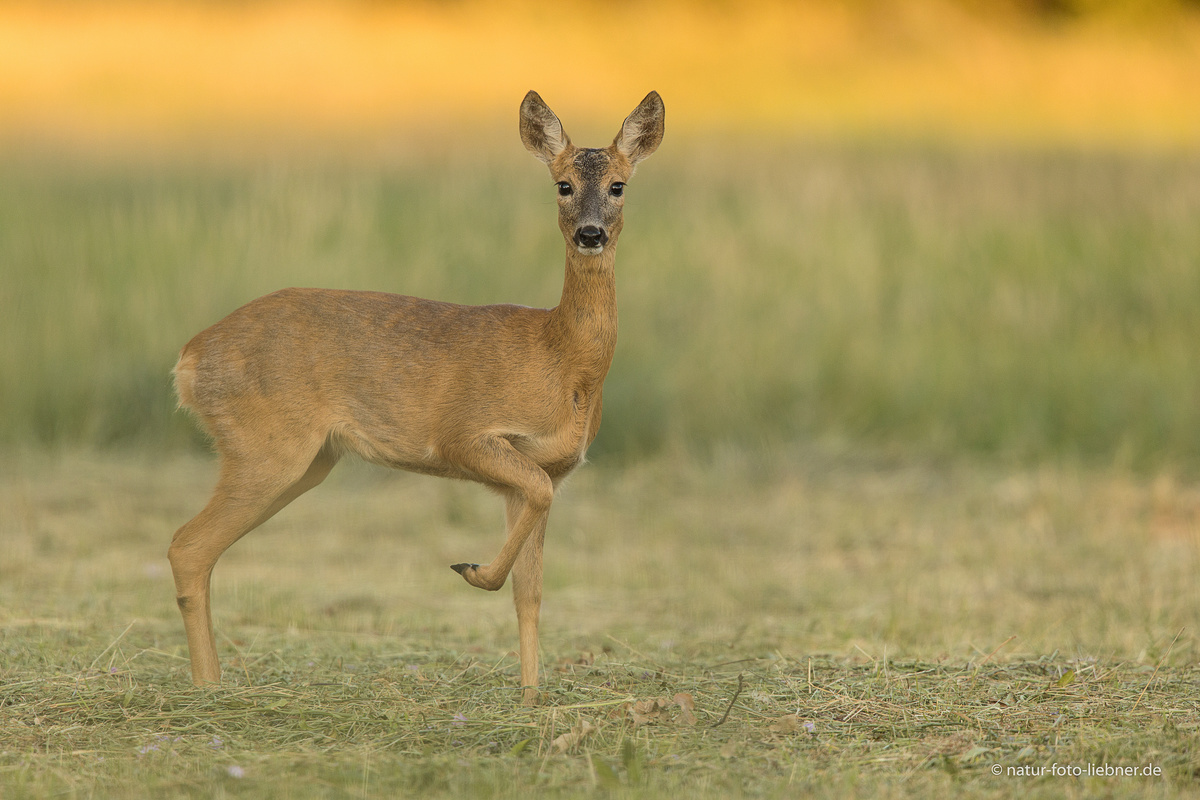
pixel 382 370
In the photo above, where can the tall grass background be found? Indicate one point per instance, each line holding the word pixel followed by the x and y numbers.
pixel 935 225
pixel 1030 303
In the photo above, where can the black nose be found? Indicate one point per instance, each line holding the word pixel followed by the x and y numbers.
pixel 591 236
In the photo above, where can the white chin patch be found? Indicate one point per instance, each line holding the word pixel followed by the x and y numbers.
pixel 590 251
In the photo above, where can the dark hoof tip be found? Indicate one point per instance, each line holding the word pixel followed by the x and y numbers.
pixel 461 568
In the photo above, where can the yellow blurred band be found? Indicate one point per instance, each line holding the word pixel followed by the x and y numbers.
pixel 919 68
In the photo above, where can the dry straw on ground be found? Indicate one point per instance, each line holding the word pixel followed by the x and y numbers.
pixel 847 627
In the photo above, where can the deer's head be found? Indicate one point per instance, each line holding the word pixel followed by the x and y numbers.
pixel 590 181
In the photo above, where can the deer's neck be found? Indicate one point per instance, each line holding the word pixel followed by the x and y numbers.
pixel 584 325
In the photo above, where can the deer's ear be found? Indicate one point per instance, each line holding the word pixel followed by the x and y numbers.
pixel 541 131
pixel 642 131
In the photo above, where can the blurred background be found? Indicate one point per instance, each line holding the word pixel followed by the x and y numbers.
pixel 906 383
pixel 928 226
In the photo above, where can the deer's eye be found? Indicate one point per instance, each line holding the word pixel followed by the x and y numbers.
pixel 617 189
pixel 564 189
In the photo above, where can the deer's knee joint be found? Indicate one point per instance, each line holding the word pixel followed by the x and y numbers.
pixel 176 558
pixel 182 566
pixel 179 547
pixel 540 495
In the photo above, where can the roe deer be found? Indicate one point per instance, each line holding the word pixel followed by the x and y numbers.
pixel 504 395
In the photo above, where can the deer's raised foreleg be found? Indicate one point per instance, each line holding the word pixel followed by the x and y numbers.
pixel 494 461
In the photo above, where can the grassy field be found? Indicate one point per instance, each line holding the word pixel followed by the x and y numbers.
pixel 1029 304
pixel 896 485
pixel 818 622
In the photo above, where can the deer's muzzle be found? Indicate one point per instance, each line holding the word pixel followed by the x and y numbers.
pixel 590 237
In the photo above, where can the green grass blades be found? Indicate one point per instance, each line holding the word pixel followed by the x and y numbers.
pixel 826 623
pixel 1036 304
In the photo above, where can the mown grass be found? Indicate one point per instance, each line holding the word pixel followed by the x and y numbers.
pixel 1036 304
pixel 845 625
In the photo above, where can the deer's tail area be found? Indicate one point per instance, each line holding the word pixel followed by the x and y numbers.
pixel 185 378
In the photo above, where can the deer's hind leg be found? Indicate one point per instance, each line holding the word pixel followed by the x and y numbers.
pixel 248 493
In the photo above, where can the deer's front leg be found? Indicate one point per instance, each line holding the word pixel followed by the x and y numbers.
pixel 527 597
pixel 529 490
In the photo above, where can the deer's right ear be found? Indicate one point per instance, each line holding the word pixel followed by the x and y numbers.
pixel 541 131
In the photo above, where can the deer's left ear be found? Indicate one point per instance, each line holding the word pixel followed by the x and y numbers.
pixel 642 131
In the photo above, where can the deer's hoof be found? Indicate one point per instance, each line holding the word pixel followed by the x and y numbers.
pixel 474 575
